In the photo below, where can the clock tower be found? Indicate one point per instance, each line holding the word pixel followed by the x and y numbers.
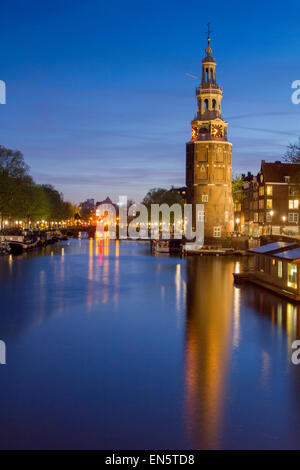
pixel 209 156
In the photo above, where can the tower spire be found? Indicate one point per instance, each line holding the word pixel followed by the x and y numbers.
pixel 208 49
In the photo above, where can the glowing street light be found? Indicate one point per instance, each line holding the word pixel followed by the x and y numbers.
pixel 271 214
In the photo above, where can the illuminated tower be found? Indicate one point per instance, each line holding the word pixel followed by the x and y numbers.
pixel 209 155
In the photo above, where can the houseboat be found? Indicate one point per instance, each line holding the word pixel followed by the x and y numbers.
pixel 277 268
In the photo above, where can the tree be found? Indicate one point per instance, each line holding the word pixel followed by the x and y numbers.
pixel 161 196
pixel 237 186
pixel 22 198
pixel 292 154
pixel 12 170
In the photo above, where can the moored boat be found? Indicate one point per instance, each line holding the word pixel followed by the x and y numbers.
pixel 161 246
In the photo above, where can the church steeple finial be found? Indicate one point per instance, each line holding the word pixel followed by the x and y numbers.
pixel 208 49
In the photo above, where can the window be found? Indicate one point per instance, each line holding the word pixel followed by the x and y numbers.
pixel 255 216
pixel 286 179
pixel 261 191
pixel 293 190
pixel 261 203
pixel 293 203
pixel 279 269
pixel 269 190
pixel 292 275
pixel 217 231
pixel 293 217
pixel 200 216
pixel 269 204
pixel 261 217
pixel 226 216
pixel 268 217
pixel 204 197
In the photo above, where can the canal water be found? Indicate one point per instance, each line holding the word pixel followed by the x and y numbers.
pixel 110 347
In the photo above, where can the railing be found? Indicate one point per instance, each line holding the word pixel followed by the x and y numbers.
pixel 207 86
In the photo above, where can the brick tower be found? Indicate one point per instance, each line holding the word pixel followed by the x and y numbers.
pixel 209 156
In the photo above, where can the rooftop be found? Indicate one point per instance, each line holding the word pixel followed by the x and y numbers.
pixel 271 248
pixel 291 254
pixel 275 172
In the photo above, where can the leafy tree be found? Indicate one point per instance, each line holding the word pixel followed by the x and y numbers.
pixel 237 186
pixel 22 198
pixel 12 169
pixel 161 196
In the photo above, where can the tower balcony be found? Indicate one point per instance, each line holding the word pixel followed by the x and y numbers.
pixel 209 87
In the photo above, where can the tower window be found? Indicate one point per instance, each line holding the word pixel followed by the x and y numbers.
pixel 206 75
pixel 200 216
pixel 205 104
pixel 214 104
pixel 217 232
pixel 204 198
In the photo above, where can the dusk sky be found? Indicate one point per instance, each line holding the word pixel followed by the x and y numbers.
pixel 99 103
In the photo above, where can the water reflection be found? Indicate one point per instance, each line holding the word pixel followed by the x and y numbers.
pixel 208 338
pixel 238 350
pixel 173 350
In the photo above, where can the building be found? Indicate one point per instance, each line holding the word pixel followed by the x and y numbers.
pixel 276 268
pixel 269 202
pixel 209 157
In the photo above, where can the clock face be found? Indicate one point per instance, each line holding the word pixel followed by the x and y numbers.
pixel 216 130
pixel 194 133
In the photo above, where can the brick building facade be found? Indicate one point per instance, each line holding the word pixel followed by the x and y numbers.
pixel 269 202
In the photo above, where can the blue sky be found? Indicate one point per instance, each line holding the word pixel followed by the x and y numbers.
pixel 99 103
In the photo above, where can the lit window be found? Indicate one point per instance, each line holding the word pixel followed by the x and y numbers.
pixel 291 204
pixel 261 204
pixel 204 197
pixel 226 216
pixel 255 216
pixel 292 275
pixel 269 190
pixel 296 203
pixel 261 190
pixel 279 268
pixel 269 203
pixel 217 232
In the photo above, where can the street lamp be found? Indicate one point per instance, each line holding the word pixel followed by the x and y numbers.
pixel 283 220
pixel 271 214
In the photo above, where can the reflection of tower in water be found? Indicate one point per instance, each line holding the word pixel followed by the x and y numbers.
pixel 208 343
